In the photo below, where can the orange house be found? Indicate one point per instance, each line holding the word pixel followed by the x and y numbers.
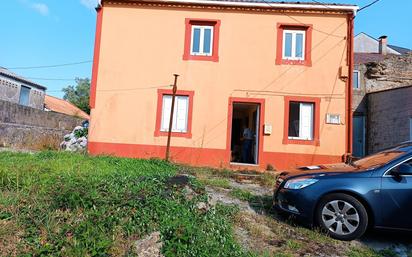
pixel 260 82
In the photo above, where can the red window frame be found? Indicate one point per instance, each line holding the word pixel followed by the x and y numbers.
pixel 316 120
pixel 308 44
pixel 188 38
pixel 160 94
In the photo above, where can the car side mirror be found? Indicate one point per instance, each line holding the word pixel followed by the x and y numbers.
pixel 403 169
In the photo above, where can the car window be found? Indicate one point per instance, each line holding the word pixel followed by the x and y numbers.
pixel 377 160
pixel 409 162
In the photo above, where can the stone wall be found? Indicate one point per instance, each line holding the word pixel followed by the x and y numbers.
pixel 389 114
pixel 393 72
pixel 28 128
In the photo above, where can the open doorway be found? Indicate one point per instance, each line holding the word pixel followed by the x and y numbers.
pixel 245 133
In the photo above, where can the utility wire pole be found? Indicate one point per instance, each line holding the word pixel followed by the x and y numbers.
pixel 169 133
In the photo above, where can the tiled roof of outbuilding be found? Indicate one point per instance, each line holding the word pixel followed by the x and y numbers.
pixel 62 106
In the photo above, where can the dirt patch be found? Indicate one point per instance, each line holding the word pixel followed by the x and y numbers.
pixel 258 228
pixel 9 238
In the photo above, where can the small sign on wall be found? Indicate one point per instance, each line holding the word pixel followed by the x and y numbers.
pixel 333 119
pixel 267 129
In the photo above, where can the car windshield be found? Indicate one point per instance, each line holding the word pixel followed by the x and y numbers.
pixel 377 160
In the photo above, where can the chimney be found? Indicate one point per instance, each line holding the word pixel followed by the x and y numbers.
pixel 383 45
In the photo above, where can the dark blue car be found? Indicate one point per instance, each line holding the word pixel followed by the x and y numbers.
pixel 346 199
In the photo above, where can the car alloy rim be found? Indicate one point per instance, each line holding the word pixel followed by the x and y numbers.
pixel 340 217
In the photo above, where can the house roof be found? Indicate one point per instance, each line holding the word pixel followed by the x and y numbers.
pixel 11 75
pixel 393 48
pixel 62 106
pixel 361 58
pixel 259 3
pixel 401 50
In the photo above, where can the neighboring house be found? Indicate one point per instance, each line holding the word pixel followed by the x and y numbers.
pixel 367 44
pixel 16 89
pixel 378 66
pixel 55 104
pixel 280 69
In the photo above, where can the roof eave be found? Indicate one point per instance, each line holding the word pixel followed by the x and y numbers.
pixel 298 6
pixel 24 81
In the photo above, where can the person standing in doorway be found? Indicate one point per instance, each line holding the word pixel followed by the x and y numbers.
pixel 247 141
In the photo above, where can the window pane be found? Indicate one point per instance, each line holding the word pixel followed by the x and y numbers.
pixel 196 40
pixel 288 45
pixel 207 45
pixel 306 121
pixel 355 79
pixel 294 116
pixel 182 104
pixel 167 105
pixel 24 95
pixel 299 45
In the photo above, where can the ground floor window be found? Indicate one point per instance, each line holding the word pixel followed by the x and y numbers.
pixel 182 113
pixel 302 120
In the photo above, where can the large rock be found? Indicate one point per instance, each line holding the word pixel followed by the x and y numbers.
pixel 150 246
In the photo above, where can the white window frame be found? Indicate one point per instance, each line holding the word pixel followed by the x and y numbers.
pixel 293 46
pixel 357 75
pixel 201 40
pixel 165 127
pixel 312 125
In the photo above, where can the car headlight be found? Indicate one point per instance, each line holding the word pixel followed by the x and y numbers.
pixel 299 183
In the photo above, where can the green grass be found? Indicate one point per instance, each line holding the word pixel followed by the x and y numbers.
pixel 58 203
pixel 216 182
pixel 241 194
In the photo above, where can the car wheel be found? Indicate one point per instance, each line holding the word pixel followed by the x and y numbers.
pixel 342 216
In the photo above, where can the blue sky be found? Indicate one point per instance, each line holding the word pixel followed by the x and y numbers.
pixel 47 32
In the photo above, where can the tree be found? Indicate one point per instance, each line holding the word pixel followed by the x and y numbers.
pixel 79 95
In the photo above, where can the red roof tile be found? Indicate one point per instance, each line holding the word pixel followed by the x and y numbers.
pixel 62 106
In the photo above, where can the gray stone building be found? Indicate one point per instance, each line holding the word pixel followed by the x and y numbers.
pixel 380 68
pixel 16 89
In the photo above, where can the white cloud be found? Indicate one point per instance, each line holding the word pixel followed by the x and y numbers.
pixel 91 4
pixel 41 8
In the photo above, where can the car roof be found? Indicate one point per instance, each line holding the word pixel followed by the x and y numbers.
pixel 404 147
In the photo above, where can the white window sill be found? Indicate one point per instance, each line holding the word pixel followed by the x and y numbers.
pixel 299 138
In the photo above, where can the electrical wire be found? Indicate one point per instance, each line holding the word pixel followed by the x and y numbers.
pixel 53 79
pixel 301 23
pixel 120 90
pixel 49 66
pixel 368 5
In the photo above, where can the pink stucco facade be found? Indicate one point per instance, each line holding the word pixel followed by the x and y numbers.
pixel 140 45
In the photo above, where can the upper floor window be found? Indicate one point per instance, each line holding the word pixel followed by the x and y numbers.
pixel 24 95
pixel 201 40
pixel 294 43
pixel 356 84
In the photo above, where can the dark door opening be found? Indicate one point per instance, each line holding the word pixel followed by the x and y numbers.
pixel 245 133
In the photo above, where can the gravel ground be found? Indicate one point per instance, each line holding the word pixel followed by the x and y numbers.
pixel 386 243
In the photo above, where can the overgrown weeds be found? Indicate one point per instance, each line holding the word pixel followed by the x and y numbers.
pixel 58 203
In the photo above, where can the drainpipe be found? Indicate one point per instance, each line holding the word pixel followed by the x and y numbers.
pixel 349 90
